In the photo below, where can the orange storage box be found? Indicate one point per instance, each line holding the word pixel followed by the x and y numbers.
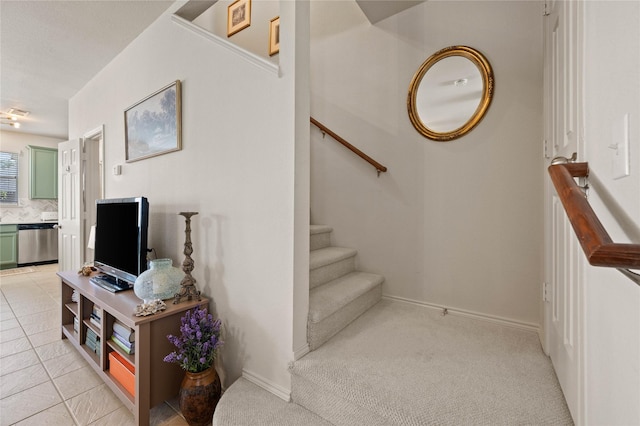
pixel 123 372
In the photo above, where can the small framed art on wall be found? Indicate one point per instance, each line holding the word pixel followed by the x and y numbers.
pixel 238 16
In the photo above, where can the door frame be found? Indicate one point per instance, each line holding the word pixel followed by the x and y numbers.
pixel 97 135
pixel 563 134
pixel 93 180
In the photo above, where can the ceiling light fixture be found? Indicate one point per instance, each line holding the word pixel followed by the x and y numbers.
pixel 15 112
pixel 15 124
pixel 11 119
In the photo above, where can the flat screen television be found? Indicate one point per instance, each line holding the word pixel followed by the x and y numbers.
pixel 121 237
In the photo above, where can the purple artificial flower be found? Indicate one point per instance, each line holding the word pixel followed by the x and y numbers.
pixel 171 357
pixel 198 343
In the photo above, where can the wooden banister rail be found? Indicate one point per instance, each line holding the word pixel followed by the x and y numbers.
pixel 379 167
pixel 594 239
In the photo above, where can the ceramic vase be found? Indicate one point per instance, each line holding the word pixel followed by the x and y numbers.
pixel 199 395
pixel 161 281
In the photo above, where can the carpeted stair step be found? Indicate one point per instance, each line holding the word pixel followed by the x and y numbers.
pixel 333 305
pixel 320 236
pixel 327 264
pixel 244 404
pixel 329 405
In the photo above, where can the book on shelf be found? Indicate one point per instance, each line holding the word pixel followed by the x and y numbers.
pixel 93 341
pixel 76 324
pixel 123 331
pixel 97 350
pixel 96 315
pixel 97 311
pixel 95 321
pixel 91 334
pixel 129 350
pixel 122 340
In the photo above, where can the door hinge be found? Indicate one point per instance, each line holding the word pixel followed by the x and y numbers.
pixel 545 292
pixel 546 148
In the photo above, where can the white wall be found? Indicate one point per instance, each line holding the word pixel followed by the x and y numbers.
pixel 254 38
pixel 236 168
pixel 612 89
pixel 456 224
pixel 27 210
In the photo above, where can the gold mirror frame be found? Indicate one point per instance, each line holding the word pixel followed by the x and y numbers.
pixel 487 92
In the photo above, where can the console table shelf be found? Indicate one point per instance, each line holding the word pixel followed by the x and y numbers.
pixel 155 380
pixel 73 307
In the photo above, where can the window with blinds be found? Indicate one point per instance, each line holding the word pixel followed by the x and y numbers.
pixel 8 178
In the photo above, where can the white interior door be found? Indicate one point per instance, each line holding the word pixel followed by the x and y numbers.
pixel 70 206
pixel 564 265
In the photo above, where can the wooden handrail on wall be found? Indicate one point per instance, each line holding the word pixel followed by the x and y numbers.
pixel 594 239
pixel 379 167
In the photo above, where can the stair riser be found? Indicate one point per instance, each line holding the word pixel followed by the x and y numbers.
pixel 318 333
pixel 330 406
pixel 326 273
pixel 321 240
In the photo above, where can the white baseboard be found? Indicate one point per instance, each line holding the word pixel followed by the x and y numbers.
pixel 470 314
pixel 277 390
pixel 301 351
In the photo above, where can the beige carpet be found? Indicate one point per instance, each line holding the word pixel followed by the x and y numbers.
pixel 245 404
pixel 401 364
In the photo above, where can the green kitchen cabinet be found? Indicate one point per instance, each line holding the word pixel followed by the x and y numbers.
pixel 8 246
pixel 43 173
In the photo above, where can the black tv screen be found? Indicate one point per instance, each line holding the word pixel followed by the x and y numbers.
pixel 121 237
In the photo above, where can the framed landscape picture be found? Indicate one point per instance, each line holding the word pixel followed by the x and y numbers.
pixel 153 125
pixel 274 36
pixel 238 16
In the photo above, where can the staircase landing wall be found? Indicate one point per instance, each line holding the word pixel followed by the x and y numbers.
pixel 456 224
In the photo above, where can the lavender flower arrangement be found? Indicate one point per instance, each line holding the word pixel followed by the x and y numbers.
pixel 198 343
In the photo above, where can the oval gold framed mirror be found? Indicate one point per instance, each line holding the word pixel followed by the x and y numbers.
pixel 450 93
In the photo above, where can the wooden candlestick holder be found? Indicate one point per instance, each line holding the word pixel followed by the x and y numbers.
pixel 188 284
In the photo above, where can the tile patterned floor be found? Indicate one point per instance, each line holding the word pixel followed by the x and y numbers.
pixel 43 380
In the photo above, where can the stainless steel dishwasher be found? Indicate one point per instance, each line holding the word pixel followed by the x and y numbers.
pixel 37 243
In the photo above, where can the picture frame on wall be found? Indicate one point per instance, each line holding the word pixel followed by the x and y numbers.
pixel 274 36
pixel 153 126
pixel 238 16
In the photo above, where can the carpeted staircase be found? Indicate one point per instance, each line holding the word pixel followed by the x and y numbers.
pixel 392 363
pixel 338 293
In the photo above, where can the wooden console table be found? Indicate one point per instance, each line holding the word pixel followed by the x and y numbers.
pixel 155 380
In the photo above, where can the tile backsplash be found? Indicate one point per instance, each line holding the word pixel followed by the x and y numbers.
pixel 27 210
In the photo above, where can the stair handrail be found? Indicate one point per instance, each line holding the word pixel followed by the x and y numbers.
pixel 596 243
pixel 325 130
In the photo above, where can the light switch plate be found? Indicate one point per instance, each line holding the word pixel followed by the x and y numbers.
pixel 620 147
